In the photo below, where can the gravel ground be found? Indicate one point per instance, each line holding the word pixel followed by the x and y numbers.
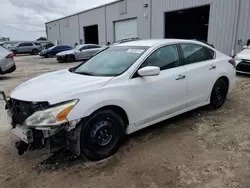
pixel 199 149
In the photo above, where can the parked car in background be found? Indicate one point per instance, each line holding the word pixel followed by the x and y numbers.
pixel 121 90
pixel 51 52
pixel 47 46
pixel 32 48
pixel 80 52
pixel 7 63
pixel 243 61
pixel 9 44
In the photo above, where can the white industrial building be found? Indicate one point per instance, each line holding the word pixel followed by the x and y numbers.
pixel 224 23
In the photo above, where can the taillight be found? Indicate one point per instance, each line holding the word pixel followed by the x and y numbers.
pixel 232 62
pixel 11 55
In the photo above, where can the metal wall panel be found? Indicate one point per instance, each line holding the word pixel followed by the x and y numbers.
pixel 94 17
pixel 69 30
pixel 223 14
pixel 134 9
pixel 221 21
pixel 53 31
pixel 243 27
pixel 221 24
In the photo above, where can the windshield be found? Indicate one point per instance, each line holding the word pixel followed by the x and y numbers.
pixel 78 47
pixel 52 47
pixel 111 62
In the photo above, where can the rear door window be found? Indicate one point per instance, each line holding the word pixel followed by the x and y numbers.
pixel 26 44
pixel 194 53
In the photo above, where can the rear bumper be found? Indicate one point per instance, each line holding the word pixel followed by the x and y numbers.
pixel 10 70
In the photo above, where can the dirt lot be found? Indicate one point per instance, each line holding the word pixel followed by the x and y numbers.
pixel 200 149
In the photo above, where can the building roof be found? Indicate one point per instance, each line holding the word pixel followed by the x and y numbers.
pixel 103 5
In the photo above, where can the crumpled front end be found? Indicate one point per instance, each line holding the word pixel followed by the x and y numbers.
pixel 32 124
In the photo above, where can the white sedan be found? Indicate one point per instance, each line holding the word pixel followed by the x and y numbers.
pixel 80 52
pixel 121 90
pixel 243 61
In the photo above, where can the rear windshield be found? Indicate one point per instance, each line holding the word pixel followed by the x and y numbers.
pixel 4 52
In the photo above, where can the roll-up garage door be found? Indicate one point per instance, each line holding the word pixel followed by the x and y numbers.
pixel 125 29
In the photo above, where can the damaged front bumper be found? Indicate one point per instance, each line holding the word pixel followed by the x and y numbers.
pixel 36 137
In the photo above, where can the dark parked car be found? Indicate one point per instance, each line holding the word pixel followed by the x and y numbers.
pixel 51 52
pixel 47 46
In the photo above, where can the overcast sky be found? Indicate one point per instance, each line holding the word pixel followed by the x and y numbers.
pixel 24 19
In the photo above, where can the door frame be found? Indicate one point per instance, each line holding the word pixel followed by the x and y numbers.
pixel 131 18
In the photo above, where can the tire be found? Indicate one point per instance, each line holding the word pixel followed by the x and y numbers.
pixel 101 135
pixel 219 94
pixel 34 52
pixel 70 58
pixel 49 55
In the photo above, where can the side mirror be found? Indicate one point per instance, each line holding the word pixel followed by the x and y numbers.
pixel 149 71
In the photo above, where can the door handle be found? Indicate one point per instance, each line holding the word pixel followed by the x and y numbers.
pixel 180 77
pixel 212 67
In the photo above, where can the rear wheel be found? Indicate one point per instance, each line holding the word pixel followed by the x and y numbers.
pixel 35 52
pixel 219 94
pixel 102 135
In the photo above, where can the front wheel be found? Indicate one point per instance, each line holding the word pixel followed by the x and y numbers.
pixel 219 94
pixel 49 55
pixel 71 58
pixel 101 135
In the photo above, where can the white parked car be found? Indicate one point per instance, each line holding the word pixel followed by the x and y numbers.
pixel 7 63
pixel 121 90
pixel 243 61
pixel 80 52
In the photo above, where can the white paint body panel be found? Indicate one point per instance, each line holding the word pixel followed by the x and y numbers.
pixel 243 55
pixel 146 100
pixel 5 63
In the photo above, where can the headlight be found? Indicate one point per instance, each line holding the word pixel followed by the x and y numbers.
pixel 237 58
pixel 51 117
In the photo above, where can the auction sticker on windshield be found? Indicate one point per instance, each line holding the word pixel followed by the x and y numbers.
pixel 137 51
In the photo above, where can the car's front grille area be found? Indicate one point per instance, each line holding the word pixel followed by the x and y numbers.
pixel 243 66
pixel 23 109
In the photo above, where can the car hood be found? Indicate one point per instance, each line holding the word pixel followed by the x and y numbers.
pixel 245 54
pixel 66 52
pixel 52 86
pixel 44 51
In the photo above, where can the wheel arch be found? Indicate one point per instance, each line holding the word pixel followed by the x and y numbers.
pixel 119 110
pixel 225 78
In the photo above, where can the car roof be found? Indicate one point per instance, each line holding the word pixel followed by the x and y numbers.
pixel 63 46
pixel 153 42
